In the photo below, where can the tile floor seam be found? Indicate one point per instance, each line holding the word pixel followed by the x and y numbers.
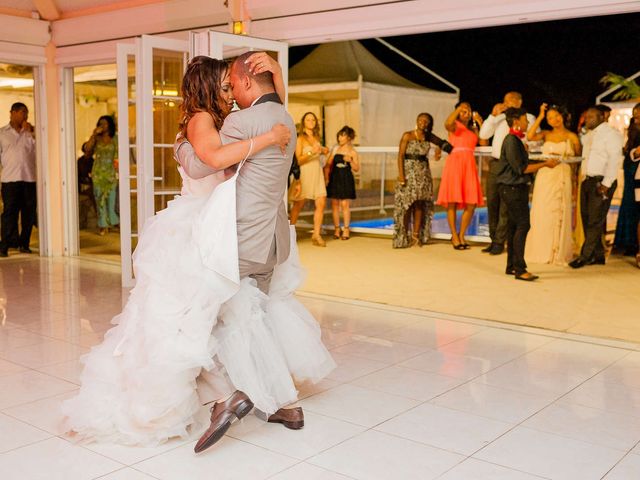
pixel 497 465
pixel 538 429
pixel 551 434
pixel 122 470
pixel 317 466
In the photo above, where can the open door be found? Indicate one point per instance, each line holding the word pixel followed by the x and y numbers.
pixel 149 78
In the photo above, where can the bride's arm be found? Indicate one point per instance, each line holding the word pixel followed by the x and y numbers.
pixel 203 135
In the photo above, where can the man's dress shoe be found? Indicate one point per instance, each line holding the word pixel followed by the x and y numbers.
pixel 577 263
pixel 222 414
pixel 292 418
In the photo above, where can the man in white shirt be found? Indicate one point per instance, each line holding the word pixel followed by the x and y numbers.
pixel 603 158
pixel 18 158
pixel 496 126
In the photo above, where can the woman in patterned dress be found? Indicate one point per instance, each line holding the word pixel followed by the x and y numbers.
pixel 414 191
pixel 104 145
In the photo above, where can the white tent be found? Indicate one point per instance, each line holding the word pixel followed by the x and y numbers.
pixel 344 84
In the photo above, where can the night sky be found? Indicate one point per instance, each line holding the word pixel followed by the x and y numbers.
pixel 556 62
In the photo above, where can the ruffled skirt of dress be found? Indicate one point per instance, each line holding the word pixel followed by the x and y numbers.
pixel 139 385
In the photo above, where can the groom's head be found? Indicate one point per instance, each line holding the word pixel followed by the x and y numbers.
pixel 246 86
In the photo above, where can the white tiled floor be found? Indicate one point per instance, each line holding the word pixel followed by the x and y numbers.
pixel 415 396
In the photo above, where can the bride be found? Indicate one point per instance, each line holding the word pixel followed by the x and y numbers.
pixel 550 239
pixel 191 331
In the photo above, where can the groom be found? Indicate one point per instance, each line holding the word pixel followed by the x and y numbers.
pixel 262 224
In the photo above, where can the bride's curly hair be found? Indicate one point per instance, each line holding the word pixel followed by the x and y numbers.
pixel 201 90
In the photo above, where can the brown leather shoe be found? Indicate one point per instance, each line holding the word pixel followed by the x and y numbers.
pixel 222 414
pixel 292 418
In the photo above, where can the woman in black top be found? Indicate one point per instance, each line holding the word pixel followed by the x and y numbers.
pixel 341 186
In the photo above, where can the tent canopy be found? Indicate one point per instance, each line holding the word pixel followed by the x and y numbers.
pixel 344 84
pixel 344 62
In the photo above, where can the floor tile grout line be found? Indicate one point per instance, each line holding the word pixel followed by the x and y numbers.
pixel 492 463
pixel 520 424
pixel 630 452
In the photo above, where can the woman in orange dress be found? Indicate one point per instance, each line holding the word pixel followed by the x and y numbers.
pixel 460 185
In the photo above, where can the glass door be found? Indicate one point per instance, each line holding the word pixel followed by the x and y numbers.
pixel 149 78
pixel 126 88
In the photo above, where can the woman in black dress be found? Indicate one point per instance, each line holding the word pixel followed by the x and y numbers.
pixel 341 186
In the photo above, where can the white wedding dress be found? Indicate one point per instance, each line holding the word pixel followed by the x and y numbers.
pixel 189 313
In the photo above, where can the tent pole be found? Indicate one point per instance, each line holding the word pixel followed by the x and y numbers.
pixel 419 65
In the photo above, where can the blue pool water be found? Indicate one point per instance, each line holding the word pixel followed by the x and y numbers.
pixel 479 225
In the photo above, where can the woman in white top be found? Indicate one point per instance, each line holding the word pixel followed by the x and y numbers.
pixel 550 238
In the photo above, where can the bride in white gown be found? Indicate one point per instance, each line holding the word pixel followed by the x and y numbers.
pixel 189 316
pixel 550 239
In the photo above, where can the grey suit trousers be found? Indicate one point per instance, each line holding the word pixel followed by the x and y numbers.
pixel 260 272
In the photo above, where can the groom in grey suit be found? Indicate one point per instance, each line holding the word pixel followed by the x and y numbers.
pixel 261 217
pixel 263 226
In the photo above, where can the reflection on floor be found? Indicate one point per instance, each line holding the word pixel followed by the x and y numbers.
pixel 597 300
pixel 105 247
pixel 415 396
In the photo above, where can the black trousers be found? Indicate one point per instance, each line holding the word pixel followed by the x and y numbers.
pixel 19 199
pixel 496 209
pixel 593 209
pixel 516 200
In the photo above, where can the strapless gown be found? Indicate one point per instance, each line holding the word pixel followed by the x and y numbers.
pixel 550 238
pixel 190 313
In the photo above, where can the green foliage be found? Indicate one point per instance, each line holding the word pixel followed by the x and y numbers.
pixel 628 88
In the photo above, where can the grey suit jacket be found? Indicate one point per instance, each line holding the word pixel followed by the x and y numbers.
pixel 261 185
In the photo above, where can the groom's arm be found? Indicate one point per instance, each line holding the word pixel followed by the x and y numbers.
pixel 186 156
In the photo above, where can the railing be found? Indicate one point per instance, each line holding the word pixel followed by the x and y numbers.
pixel 376 180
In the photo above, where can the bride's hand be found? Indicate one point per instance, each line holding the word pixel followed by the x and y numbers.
pixel 281 136
pixel 261 62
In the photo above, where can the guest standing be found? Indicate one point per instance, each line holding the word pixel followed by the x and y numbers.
pixel 104 146
pixel 513 187
pixel 626 239
pixel 460 185
pixel 341 186
pixel 413 210
pixel 86 202
pixel 550 239
pixel 18 157
pixel 496 126
pixel 602 161
pixel 308 151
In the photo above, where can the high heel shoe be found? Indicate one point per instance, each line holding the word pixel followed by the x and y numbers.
pixel 345 234
pixel 337 233
pixel 318 241
pixel 459 246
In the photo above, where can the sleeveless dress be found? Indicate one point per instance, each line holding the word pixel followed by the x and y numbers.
pixel 550 239
pixel 188 314
pixel 460 183
pixel 311 176
pixel 418 189
pixel 341 182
